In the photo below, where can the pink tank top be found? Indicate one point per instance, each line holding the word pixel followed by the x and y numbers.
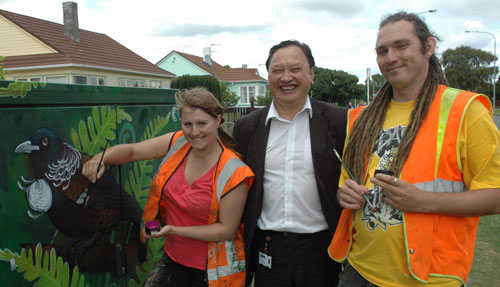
pixel 188 205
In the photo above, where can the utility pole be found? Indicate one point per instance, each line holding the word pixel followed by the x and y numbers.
pixel 494 65
pixel 368 72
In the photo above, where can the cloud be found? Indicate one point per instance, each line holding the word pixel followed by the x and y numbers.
pixel 478 9
pixel 337 8
pixel 190 30
pixel 473 25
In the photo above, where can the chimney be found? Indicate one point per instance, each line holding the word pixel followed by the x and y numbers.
pixel 206 56
pixel 244 66
pixel 70 11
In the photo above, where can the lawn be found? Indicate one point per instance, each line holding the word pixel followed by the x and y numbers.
pixel 484 271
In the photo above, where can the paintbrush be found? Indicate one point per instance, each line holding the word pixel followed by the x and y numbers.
pixel 365 196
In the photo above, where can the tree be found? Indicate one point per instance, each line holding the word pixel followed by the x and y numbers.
pixel 376 83
pixel 218 89
pixel 228 98
pixel 209 82
pixel 336 86
pixel 265 100
pixel 470 69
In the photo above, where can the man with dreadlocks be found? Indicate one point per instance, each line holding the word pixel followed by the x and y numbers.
pixel 419 226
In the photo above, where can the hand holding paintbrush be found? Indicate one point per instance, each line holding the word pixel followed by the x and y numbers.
pixel 365 196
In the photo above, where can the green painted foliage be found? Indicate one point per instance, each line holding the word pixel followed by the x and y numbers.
pixel 139 182
pixel 141 173
pixel 99 128
pixel 51 271
pixel 153 256
pixel 19 89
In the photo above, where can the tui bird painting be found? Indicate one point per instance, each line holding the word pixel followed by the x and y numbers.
pixel 79 209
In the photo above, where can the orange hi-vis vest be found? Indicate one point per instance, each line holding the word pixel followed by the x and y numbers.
pixel 436 245
pixel 226 259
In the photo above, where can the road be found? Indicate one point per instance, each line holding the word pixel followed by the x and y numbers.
pixel 497 120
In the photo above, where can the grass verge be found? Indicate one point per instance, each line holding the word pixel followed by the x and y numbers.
pixel 484 271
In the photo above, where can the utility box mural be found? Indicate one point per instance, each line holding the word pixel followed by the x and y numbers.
pixel 58 228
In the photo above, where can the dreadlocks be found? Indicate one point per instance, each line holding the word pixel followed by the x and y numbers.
pixel 367 127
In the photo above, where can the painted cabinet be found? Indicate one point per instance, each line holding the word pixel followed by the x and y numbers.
pixel 56 227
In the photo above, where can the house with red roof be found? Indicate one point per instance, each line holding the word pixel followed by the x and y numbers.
pixel 43 51
pixel 245 82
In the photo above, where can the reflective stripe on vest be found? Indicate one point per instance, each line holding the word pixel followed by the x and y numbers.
pixel 447 99
pixel 179 142
pixel 441 185
pixel 228 170
pixel 233 266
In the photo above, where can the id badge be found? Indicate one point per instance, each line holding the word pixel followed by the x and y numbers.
pixel 265 259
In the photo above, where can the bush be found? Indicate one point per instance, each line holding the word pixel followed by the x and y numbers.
pixel 218 89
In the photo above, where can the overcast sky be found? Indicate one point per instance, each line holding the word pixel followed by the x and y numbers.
pixel 341 34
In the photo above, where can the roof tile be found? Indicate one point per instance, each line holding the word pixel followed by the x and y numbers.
pixel 222 73
pixel 94 49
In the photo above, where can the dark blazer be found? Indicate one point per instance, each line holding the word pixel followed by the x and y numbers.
pixel 328 130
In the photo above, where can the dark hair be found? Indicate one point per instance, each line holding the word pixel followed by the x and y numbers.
pixel 367 127
pixel 203 99
pixel 421 31
pixel 305 49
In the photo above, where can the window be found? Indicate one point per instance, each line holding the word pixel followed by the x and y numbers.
pixel 88 80
pixel 251 92
pixel 82 80
pixel 243 95
pixel 132 83
pixel 261 91
pixel 92 81
pixel 29 79
pixel 139 83
pixel 57 79
pixel 156 84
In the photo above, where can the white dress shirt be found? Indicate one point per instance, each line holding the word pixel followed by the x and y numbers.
pixel 291 200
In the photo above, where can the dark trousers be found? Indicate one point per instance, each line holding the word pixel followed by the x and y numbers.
pixel 349 277
pixel 167 273
pixel 297 260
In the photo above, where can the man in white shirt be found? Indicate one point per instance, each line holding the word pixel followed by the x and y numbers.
pixel 291 211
